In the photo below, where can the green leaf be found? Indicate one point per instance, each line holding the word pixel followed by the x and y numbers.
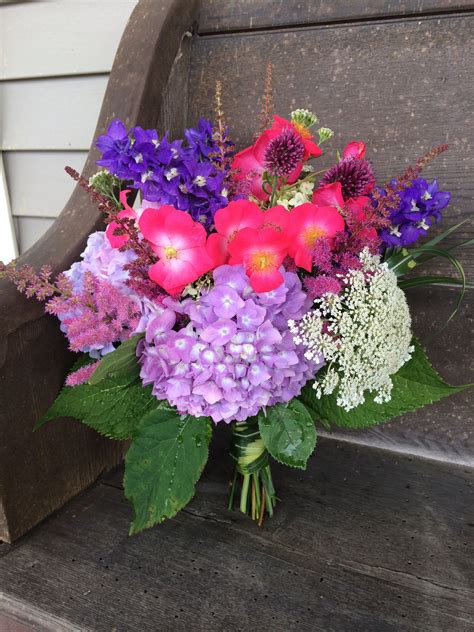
pixel 163 465
pixel 111 408
pixel 288 433
pixel 120 365
pixel 415 385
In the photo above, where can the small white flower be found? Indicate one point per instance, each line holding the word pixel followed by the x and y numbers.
pixel 171 173
pixel 200 181
pixel 364 334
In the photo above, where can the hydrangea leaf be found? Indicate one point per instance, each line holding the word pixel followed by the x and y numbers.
pixel 163 465
pixel 112 408
pixel 288 433
pixel 416 384
pixel 121 364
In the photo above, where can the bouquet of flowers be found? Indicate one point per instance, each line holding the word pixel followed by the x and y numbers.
pixel 243 288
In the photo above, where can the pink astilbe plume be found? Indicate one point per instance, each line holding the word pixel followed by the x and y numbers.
pixel 96 317
pixel 33 284
pixel 318 286
pixel 82 375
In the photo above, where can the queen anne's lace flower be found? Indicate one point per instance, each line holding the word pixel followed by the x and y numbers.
pixel 364 334
pixel 235 355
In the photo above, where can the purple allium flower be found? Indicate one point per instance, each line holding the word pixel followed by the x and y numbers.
pixel 284 153
pixel 355 175
pixel 419 205
pixel 235 355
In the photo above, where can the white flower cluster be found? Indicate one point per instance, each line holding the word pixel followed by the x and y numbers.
pixel 364 334
pixel 297 194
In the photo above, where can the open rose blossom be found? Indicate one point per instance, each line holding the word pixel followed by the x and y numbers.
pixel 261 251
pixel 310 223
pixel 117 241
pixel 180 244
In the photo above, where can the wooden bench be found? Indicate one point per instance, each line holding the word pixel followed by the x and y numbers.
pixel 397 75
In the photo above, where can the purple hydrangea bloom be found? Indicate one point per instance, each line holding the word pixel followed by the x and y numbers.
pixel 420 205
pixel 235 355
pixel 168 172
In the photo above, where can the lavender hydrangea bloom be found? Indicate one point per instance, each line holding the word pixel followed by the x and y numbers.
pixel 420 205
pixel 168 172
pixel 235 355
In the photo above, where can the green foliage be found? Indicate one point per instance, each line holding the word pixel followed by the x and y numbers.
pixel 164 464
pixel 113 401
pixel 288 433
pixel 120 365
pixel 414 385
pixel 110 407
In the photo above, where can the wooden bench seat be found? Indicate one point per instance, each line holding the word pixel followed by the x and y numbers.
pixel 366 540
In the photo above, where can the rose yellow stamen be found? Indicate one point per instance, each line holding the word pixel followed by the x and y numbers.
pixel 260 261
pixel 171 252
pixel 311 234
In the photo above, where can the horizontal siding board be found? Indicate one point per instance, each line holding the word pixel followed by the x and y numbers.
pixel 61 37
pixel 403 86
pixel 50 114
pixel 37 183
pixel 30 229
pixel 225 16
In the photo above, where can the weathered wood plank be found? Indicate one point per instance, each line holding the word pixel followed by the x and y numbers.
pixel 48 184
pixel 50 114
pixel 63 37
pixel 364 540
pixel 241 15
pixel 402 86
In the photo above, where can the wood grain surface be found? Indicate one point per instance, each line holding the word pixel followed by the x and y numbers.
pixel 403 86
pixel 364 540
pixel 225 16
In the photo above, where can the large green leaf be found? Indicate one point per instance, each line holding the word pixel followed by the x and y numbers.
pixel 288 433
pixel 120 365
pixel 415 385
pixel 163 465
pixel 112 408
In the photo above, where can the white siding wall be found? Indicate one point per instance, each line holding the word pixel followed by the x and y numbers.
pixel 55 57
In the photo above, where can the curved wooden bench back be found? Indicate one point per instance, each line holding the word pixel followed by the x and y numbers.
pixel 40 471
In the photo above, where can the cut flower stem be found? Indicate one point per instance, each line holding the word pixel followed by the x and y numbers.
pixel 252 471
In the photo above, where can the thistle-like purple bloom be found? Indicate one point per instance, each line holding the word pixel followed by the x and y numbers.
pixel 235 355
pixel 420 206
pixel 284 153
pixel 355 175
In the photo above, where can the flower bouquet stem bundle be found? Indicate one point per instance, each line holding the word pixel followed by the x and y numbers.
pixel 257 494
pixel 249 289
